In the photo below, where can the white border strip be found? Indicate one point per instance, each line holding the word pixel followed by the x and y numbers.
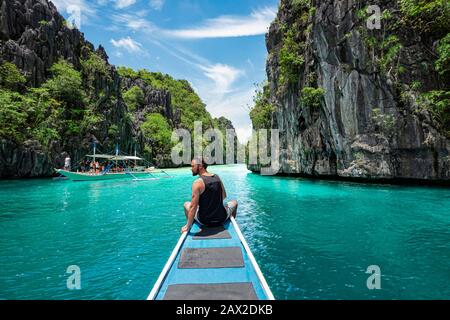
pixel 165 270
pixel 253 261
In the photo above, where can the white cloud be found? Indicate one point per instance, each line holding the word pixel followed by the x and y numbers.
pixel 229 26
pixel 219 95
pixel 128 44
pixel 133 22
pixel 120 4
pixel 141 13
pixel 233 106
pixel 157 4
pixel 85 8
pixel 222 75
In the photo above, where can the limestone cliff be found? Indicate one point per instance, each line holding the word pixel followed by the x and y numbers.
pixel 354 102
pixel 33 37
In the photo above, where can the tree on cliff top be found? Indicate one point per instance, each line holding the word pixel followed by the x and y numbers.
pixel 183 96
pixel 65 84
pixel 10 77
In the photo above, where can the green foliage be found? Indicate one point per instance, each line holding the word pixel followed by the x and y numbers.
pixel 44 116
pixel 261 113
pixel 43 23
pixel 10 77
pixel 157 129
pixel 386 14
pixel 385 122
pixel 125 72
pixel 13 115
pixel 311 97
pixel 94 67
pixel 416 85
pixel 301 4
pixel 443 62
pixel 385 52
pixel 72 127
pixel 183 96
pixel 91 121
pixel 33 115
pixel 134 97
pixel 438 103
pixel 290 58
pixel 390 57
pixel 428 16
pixel 66 84
pixel 362 13
pixel 113 130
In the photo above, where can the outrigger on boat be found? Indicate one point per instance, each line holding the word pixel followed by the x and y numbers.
pixel 116 167
pixel 211 264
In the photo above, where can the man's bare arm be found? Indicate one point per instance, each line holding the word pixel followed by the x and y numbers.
pixel 196 188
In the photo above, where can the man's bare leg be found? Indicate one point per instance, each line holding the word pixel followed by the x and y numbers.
pixel 233 205
pixel 187 205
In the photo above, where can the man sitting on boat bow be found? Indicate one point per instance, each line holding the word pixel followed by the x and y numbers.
pixel 208 193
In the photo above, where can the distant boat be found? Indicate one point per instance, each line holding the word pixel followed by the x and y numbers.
pixel 211 264
pixel 116 169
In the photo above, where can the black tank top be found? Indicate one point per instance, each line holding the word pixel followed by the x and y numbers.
pixel 211 210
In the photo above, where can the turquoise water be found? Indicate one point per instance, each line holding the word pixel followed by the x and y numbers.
pixel 312 239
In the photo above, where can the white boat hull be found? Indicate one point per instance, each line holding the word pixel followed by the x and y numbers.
pixel 79 176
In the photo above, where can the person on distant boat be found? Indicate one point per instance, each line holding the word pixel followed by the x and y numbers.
pixel 208 193
pixel 83 166
pixel 67 165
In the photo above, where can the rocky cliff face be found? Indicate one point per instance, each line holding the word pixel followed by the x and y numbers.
pixel 34 36
pixel 346 104
pixel 154 101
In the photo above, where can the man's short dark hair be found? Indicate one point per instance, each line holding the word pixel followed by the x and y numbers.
pixel 201 160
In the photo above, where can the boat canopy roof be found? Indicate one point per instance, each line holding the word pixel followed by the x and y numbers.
pixel 113 157
pixel 99 156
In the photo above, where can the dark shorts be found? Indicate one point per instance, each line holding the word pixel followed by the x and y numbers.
pixel 229 208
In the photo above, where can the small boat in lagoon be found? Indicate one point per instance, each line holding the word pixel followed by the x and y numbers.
pixel 135 173
pixel 211 264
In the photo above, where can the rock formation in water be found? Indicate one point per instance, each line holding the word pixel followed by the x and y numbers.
pixel 34 37
pixel 357 102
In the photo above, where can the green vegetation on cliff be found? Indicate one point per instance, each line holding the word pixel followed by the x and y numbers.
pixel 429 20
pixel 183 96
pixel 133 97
pixel 65 85
pixel 32 114
pixel 291 58
pixel 443 49
pixel 10 77
pixel 58 108
pixel 311 97
pixel 93 68
pixel 427 16
pixel 158 131
pixel 261 113
pixel 186 105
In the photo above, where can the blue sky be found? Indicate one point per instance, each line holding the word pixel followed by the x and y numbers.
pixel 218 46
